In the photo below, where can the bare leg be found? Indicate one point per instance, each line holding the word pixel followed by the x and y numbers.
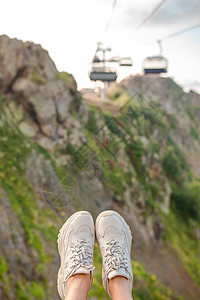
pixel 78 287
pixel 120 288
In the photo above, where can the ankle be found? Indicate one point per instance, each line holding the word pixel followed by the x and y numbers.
pixel 77 283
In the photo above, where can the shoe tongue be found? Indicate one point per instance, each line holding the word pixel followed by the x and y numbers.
pixel 120 272
pixel 82 270
pixel 112 234
pixel 111 231
pixel 76 236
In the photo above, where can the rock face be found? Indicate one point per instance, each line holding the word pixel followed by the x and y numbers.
pixel 19 60
pixel 29 76
pixel 173 101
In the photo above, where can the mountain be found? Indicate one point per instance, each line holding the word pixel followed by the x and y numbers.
pixel 192 86
pixel 138 153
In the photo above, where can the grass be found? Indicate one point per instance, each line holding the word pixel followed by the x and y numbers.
pixel 21 291
pixel 183 243
pixel 37 79
pixel 15 149
pixel 118 94
pixel 146 286
pixel 67 78
pixel 3 268
pixel 5 277
pixel 26 291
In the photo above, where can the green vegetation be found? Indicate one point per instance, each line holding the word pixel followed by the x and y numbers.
pixel 36 78
pixel 26 291
pixel 118 94
pixel 115 92
pixel 15 149
pixel 186 190
pixel 153 147
pixel 183 243
pixel 113 126
pixel 37 290
pixel 75 106
pixel 91 124
pixel 135 151
pixel 171 163
pixel 97 289
pixel 5 277
pixel 187 200
pixel 174 88
pixel 21 292
pixel 66 77
pixel 146 286
pixel 194 133
pixel 113 175
pixel 3 268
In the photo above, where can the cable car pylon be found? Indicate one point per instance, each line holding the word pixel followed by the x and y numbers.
pixel 102 69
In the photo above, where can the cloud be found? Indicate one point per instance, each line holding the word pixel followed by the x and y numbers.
pixel 176 12
pixel 182 12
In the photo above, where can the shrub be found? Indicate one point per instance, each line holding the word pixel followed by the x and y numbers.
pixel 91 124
pixel 113 127
pixel 187 200
pixel 37 290
pixel 154 147
pixel 135 151
pixel 171 162
pixel 194 134
pixel 115 92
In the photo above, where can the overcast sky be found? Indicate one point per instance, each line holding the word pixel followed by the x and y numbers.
pixel 70 30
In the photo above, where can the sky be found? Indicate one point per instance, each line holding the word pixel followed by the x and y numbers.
pixel 70 30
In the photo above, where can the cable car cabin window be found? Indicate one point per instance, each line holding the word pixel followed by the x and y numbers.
pixel 155 71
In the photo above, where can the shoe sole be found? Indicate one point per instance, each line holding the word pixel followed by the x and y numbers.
pixel 124 224
pixel 61 236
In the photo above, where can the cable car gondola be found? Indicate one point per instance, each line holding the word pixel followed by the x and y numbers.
pixel 100 72
pixel 155 65
pixel 100 69
pixel 126 62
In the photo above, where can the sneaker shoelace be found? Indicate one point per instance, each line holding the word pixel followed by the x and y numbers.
pixel 115 257
pixel 82 256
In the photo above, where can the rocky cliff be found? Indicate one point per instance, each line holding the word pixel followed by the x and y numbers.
pixel 138 154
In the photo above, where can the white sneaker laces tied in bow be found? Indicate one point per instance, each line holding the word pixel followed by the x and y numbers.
pixel 115 257
pixel 82 256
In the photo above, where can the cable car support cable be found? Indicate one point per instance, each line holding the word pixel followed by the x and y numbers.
pixel 147 18
pixel 179 32
pixel 110 18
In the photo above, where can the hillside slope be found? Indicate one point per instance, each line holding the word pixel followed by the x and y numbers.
pixel 58 154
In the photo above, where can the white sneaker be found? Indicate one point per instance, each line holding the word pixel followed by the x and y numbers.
pixel 114 239
pixel 75 246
